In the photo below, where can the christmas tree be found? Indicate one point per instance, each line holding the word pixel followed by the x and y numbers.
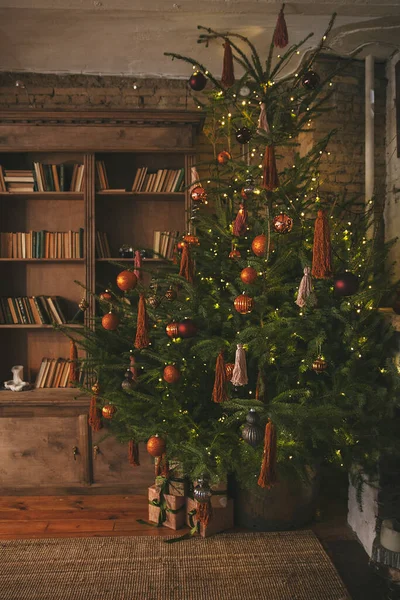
pixel 269 311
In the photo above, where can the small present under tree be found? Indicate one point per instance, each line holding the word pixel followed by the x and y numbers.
pixel 272 304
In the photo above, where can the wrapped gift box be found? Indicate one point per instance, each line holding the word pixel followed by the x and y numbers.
pixel 174 487
pixel 174 520
pixel 221 518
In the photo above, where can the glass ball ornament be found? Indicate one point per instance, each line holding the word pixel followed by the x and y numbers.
pixel 153 301
pixel 244 91
pixel 187 328
pixel 234 253
pixel 252 432
pixel 128 383
pixel 229 370
pixel 248 275
pixel 346 284
pixel 96 388
pixel 110 321
pixel 171 374
pixel 310 80
pixel 172 330
pixel 156 446
pixel 243 135
pixel 198 194
pixel 127 280
pixel 106 296
pixel 243 304
pixel 197 81
pixel 282 223
pixel 319 365
pixel 202 492
pixel 248 189
pixel 223 157
pixel 108 411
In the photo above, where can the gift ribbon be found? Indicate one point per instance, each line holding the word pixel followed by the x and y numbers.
pixel 161 503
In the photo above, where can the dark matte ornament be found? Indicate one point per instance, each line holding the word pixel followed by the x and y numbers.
pixel 252 432
pixel 202 492
pixel 346 284
pixel 198 81
pixel 310 80
pixel 248 189
pixel 243 135
pixel 128 382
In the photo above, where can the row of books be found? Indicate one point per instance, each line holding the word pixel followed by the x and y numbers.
pixel 164 243
pixel 42 244
pixel 31 310
pixel 102 245
pixel 163 180
pixel 43 178
pixel 53 373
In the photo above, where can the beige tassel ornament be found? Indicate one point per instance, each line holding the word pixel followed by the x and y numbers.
pixel 239 375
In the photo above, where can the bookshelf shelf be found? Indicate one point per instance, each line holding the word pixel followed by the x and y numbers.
pixel 36 326
pixel 43 260
pixel 43 195
pixel 44 396
pixel 130 260
pixel 143 195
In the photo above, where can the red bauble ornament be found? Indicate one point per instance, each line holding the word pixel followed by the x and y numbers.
pixel 108 411
pixel 187 328
pixel 198 81
pixel 229 370
pixel 106 296
pixel 156 446
pixel 243 304
pixel 282 223
pixel 192 240
pixel 234 253
pixel 223 157
pixel 259 245
pixel 126 280
pixel 172 330
pixel 198 194
pixel 248 275
pixel 346 284
pixel 110 321
pixel 171 374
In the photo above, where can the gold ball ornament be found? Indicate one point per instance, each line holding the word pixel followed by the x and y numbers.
pixel 243 304
pixel 96 388
pixel 223 157
pixel 171 374
pixel 319 365
pixel 126 281
pixel 172 329
pixel 83 304
pixel 282 223
pixel 110 321
pixel 229 370
pixel 108 411
pixel 156 446
pixel 248 275
pixel 198 194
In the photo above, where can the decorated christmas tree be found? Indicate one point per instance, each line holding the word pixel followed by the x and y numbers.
pixel 260 349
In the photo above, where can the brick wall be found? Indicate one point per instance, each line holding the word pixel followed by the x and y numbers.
pixel 342 170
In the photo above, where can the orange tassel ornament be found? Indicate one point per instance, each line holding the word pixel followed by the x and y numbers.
pixel 133 453
pixel 219 392
pixel 142 336
pixel 73 364
pixel 268 477
pixel 94 412
pixel 270 173
pixel 228 76
pixel 322 252
pixel 203 512
pixel 240 223
pixel 187 265
pixel 281 38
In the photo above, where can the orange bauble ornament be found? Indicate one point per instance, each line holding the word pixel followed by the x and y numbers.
pixel 171 374
pixel 187 328
pixel 198 194
pixel 108 411
pixel 282 223
pixel 234 253
pixel 156 446
pixel 106 296
pixel 243 304
pixel 319 365
pixel 126 281
pixel 223 157
pixel 229 370
pixel 192 240
pixel 180 246
pixel 248 275
pixel 110 321
pixel 259 245
pixel 172 329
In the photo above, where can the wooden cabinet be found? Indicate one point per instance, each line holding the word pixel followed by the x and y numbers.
pixel 40 429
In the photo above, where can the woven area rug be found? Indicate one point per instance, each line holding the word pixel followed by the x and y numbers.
pixel 238 566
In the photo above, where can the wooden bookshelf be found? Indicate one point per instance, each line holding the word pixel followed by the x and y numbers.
pixel 125 141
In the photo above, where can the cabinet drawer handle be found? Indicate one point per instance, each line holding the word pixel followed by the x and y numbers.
pixel 75 451
pixel 96 451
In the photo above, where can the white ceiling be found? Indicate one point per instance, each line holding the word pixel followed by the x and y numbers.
pixel 129 37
